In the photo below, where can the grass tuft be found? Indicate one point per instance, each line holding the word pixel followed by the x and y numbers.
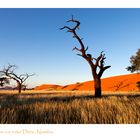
pixel 69 108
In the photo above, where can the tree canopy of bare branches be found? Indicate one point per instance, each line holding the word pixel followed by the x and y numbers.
pixel 95 63
pixel 10 73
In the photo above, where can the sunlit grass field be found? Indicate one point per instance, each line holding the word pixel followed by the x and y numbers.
pixel 63 107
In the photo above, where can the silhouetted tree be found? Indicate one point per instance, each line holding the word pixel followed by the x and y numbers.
pixel 9 72
pixel 138 85
pixel 135 62
pixel 4 81
pixel 96 64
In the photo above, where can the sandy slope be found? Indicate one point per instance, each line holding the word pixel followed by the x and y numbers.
pixel 116 83
pixel 47 86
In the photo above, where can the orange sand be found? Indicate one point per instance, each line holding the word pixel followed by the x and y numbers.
pixel 116 83
pixel 47 87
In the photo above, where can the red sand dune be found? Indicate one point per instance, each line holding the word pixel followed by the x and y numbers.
pixel 116 83
pixel 47 87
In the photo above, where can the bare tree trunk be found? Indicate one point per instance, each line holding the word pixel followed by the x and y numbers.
pixel 97 87
pixel 19 86
pixel 19 89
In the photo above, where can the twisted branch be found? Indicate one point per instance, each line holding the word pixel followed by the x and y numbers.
pixel 99 61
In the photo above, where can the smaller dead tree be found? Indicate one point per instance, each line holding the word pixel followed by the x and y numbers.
pixel 10 73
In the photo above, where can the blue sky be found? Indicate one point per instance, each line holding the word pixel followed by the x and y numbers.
pixel 31 39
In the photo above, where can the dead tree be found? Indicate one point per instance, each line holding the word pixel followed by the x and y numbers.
pixel 10 73
pixel 96 64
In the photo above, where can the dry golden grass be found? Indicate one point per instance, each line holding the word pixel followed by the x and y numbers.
pixel 69 108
